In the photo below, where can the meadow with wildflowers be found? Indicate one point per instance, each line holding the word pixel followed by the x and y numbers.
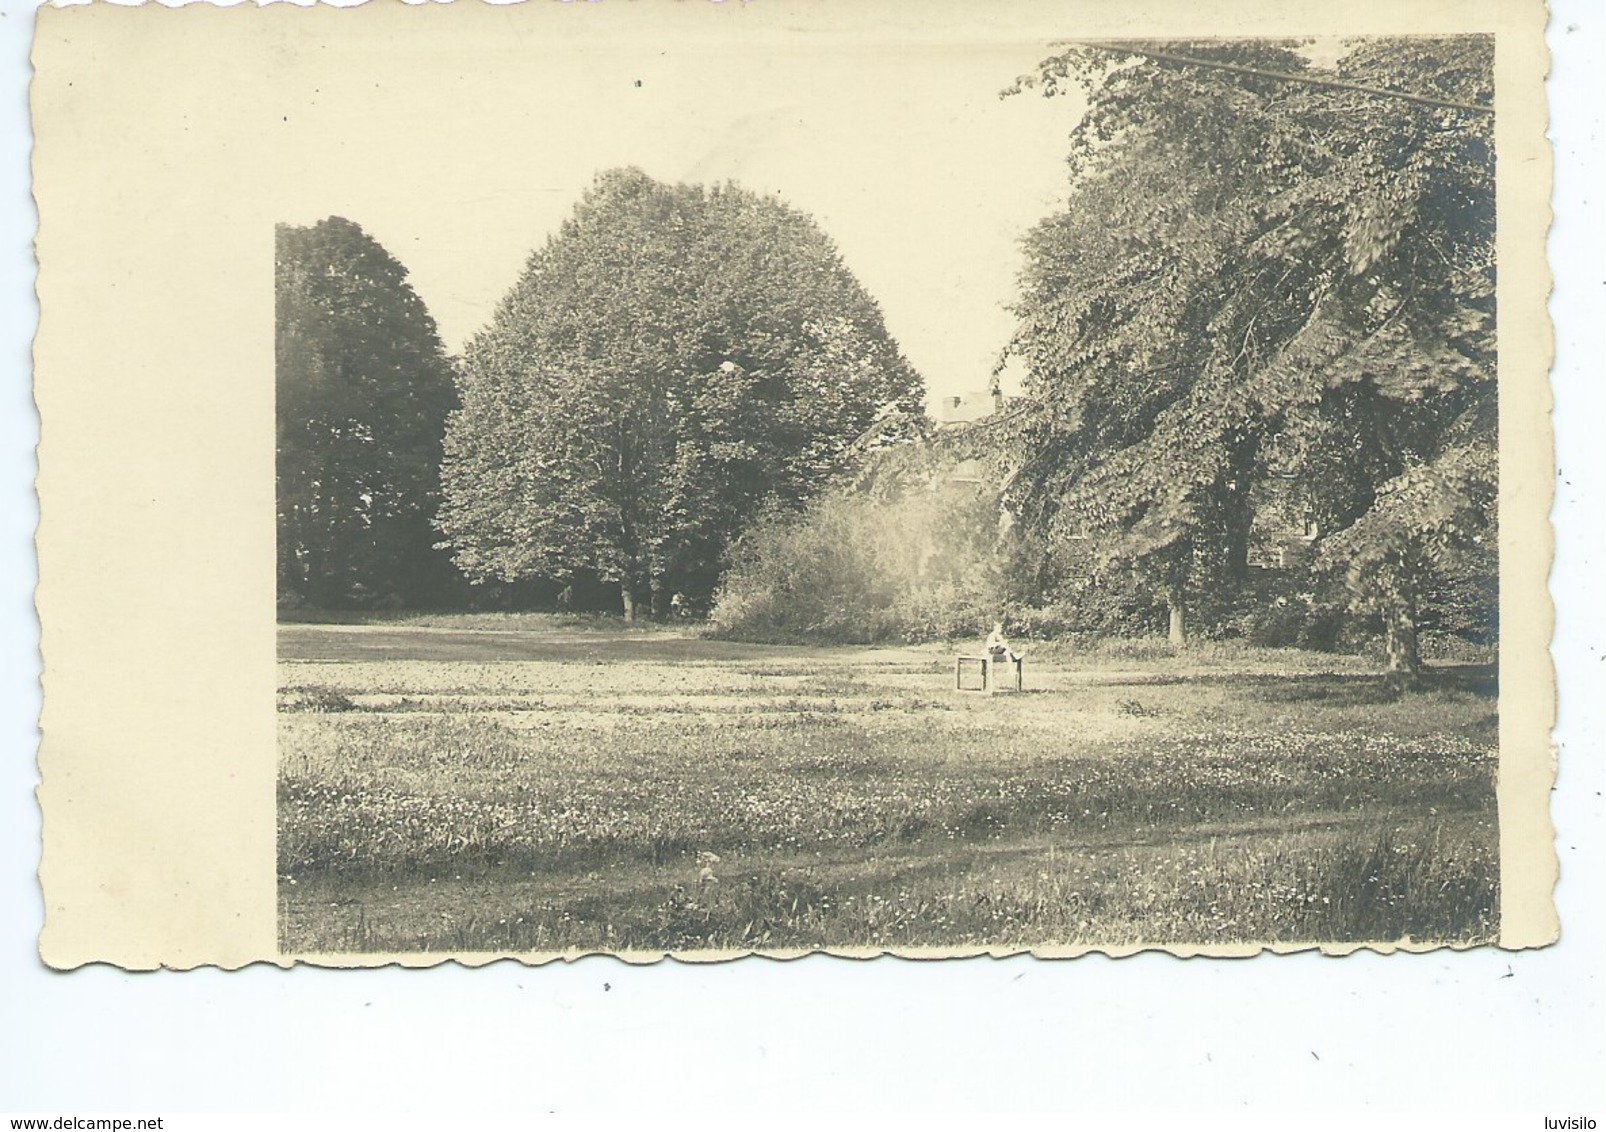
pixel 540 784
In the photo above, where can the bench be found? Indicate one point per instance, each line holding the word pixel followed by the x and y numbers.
pixel 986 667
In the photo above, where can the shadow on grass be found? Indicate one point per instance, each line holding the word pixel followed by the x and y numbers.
pixel 1336 689
pixel 1362 690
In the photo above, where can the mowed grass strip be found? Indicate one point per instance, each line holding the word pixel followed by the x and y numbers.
pixel 855 803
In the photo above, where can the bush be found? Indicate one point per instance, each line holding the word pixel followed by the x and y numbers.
pixel 1289 609
pixel 919 565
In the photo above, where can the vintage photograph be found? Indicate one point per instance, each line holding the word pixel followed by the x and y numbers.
pixel 914 497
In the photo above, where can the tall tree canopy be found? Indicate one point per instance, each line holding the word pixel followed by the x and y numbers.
pixel 1256 281
pixel 674 361
pixel 363 389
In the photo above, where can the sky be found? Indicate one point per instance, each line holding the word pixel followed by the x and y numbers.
pixel 462 154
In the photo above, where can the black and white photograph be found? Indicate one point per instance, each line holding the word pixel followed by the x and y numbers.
pixel 918 496
pixel 858 556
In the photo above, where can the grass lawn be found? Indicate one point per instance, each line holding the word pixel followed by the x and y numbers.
pixel 531 783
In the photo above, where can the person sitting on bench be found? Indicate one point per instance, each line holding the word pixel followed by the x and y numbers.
pixel 1003 662
pixel 998 647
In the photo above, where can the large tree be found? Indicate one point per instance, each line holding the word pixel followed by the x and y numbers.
pixel 674 361
pixel 1267 271
pixel 363 389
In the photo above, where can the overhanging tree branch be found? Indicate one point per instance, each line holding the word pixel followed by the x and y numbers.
pixel 1128 48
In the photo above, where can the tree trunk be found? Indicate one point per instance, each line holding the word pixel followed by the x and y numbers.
pixel 1179 629
pixel 1399 641
pixel 1174 587
pixel 627 595
pixel 1399 629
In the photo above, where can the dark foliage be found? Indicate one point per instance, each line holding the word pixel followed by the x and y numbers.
pixel 363 389
pixel 1259 283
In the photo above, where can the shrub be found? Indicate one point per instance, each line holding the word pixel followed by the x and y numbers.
pixel 921 564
